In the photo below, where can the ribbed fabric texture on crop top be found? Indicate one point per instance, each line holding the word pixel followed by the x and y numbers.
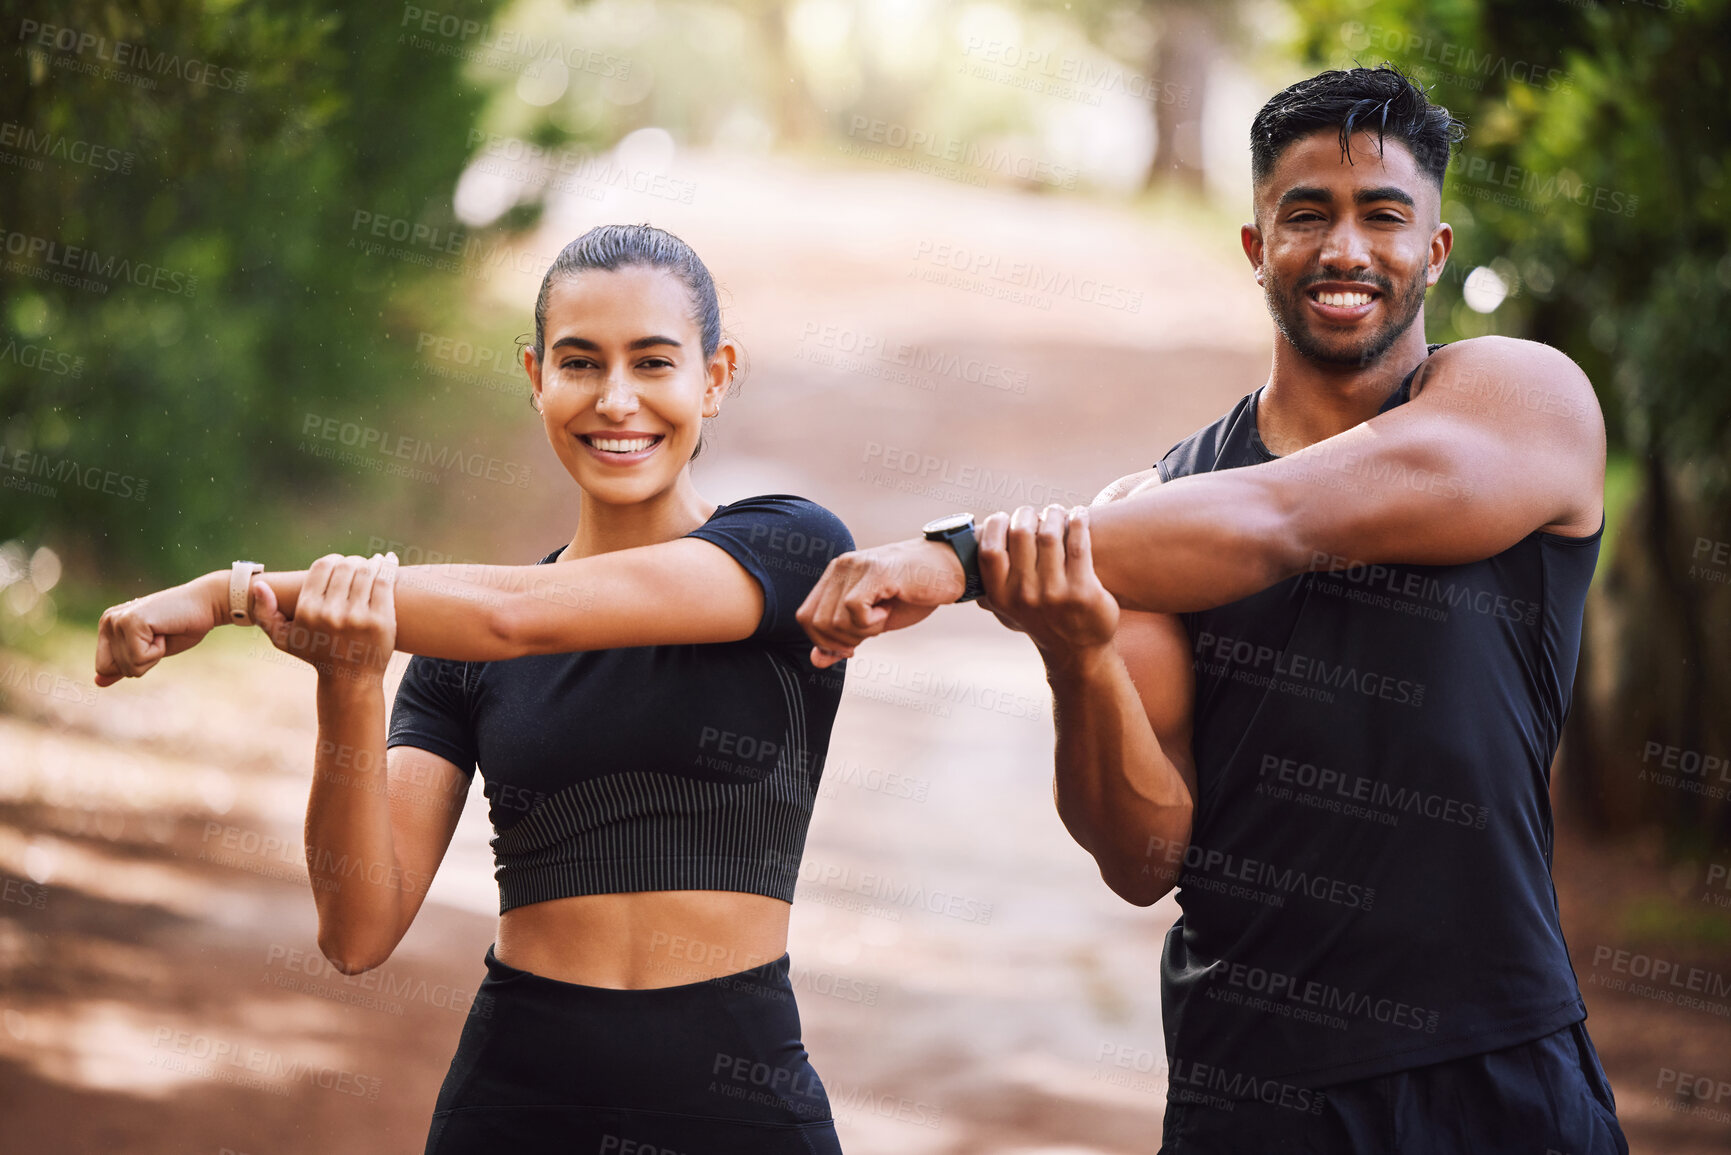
pixel 689 767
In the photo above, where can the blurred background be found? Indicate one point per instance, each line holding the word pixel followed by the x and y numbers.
pixel 264 271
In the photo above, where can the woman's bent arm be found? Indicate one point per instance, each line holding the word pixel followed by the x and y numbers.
pixel 376 827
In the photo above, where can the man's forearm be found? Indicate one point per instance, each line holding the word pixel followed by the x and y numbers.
pixel 1117 791
pixel 1176 548
pixel 1195 543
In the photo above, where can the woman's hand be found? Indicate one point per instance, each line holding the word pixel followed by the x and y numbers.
pixel 866 592
pixel 345 623
pixel 134 636
pixel 1038 571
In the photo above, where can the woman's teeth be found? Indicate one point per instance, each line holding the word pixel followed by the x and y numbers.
pixel 622 445
pixel 1344 300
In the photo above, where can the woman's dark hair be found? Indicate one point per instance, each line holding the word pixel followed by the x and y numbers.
pixel 1380 100
pixel 610 247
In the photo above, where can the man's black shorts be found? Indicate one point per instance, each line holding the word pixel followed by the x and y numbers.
pixel 1546 1097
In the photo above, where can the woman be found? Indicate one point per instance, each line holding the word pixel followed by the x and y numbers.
pixel 652 733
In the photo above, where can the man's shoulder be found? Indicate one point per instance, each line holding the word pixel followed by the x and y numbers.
pixel 1503 378
pixel 1497 354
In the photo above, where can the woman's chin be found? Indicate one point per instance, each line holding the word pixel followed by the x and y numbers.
pixel 615 489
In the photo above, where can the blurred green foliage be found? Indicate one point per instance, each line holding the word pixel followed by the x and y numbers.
pixel 208 159
pixel 1593 178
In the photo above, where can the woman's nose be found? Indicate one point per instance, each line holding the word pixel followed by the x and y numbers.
pixel 618 396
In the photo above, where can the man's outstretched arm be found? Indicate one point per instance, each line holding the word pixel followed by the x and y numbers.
pixel 1502 437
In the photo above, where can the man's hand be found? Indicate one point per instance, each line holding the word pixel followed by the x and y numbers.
pixel 864 593
pixel 345 623
pixel 133 636
pixel 1038 570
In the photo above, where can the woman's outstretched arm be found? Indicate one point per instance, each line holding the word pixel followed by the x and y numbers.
pixel 675 592
pixel 671 593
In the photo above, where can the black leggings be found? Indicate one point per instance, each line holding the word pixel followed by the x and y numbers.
pixel 710 1068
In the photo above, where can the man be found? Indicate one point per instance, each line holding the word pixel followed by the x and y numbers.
pixel 1313 667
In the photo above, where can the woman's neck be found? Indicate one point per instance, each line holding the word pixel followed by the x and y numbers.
pixel 603 527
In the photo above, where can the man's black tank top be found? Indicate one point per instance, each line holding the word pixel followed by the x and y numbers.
pixel 1367 887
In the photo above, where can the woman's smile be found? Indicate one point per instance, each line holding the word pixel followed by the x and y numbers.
pixel 621 447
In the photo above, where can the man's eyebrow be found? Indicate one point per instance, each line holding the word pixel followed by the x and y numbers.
pixel 1305 192
pixel 1387 192
pixel 640 343
pixel 1363 196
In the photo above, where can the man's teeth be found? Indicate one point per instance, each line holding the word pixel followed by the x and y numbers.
pixel 1344 300
pixel 621 445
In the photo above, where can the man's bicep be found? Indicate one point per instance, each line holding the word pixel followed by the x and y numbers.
pixel 1539 410
pixel 1155 649
pixel 1467 468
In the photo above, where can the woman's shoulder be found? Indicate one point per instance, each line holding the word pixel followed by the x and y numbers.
pixel 782 501
pixel 772 518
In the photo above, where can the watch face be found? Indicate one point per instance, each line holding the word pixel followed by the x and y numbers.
pixel 949 523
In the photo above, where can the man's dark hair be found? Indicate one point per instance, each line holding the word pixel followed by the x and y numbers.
pixel 1380 100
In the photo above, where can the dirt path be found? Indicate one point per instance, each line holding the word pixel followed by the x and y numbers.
pixel 967 983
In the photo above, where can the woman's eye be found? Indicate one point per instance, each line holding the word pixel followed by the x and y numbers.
pixel 578 363
pixel 657 363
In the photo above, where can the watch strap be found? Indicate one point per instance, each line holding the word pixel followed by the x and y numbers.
pixel 967 548
pixel 961 539
pixel 240 576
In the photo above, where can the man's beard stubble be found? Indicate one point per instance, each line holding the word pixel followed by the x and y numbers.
pixel 1287 307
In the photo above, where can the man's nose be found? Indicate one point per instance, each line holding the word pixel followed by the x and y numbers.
pixel 1345 247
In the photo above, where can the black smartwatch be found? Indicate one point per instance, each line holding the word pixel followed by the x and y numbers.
pixel 958 530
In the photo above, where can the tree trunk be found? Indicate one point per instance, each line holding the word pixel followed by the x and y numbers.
pixel 1179 89
pixel 797 118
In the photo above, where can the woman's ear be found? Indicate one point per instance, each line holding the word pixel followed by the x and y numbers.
pixel 722 367
pixel 532 366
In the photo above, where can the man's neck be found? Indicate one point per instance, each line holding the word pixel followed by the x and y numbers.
pixel 1305 401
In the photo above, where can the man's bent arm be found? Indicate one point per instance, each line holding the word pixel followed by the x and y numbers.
pixel 1501 437
pixel 1122 686
pixel 1123 778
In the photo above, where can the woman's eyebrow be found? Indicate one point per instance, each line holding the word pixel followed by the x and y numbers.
pixel 640 343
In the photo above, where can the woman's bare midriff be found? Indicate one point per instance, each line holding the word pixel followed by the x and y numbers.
pixel 660 938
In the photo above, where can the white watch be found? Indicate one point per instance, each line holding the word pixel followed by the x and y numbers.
pixel 239 590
